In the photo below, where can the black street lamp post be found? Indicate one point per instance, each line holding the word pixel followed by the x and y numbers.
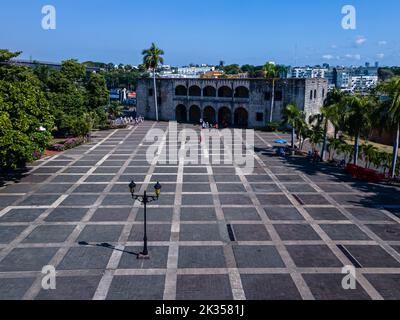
pixel 145 199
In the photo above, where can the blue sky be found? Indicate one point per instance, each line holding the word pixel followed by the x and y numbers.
pixel 205 31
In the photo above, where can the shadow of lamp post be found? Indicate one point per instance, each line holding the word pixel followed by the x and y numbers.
pixel 145 199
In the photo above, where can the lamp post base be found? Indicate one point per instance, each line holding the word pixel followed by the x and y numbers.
pixel 142 256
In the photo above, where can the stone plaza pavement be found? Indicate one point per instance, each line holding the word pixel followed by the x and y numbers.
pixel 283 232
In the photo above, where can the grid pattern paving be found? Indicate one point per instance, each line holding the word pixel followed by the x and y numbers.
pixel 283 232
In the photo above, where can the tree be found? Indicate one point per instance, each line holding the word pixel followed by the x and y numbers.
pixel 114 110
pixel 357 114
pixel 97 92
pixel 23 110
pixel 152 57
pixel 330 113
pixel 232 69
pixel 271 72
pixel 291 115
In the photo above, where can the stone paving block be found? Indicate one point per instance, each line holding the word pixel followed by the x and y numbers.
pixel 66 215
pixel 66 178
pixel 313 256
pixel 387 232
pixel 241 214
pixel 55 188
pixel 344 232
pixel 386 285
pixel 9 233
pixel 226 178
pixel 86 258
pixel 265 187
pixel 290 178
pixel 197 199
pixel 285 213
pixel 49 234
pixel 201 257
pixel 33 178
pixel 118 200
pixel 155 232
pixel 327 214
pixel 269 287
pixel 79 200
pixel 27 259
pixel 203 287
pixel 369 214
pixel 372 256
pixel 195 178
pixel 196 187
pixel 334 188
pixel 250 232
pixel 294 188
pixel 90 188
pixel 259 178
pixel 273 199
pixel 199 232
pixel 329 287
pixel 312 199
pixel 72 288
pixel 293 232
pixel 99 178
pixel 39 200
pixel 137 288
pixel 21 215
pixel 257 257
pixel 111 214
pixel 17 188
pixel 235 199
pixel 231 187
pixel 100 233
pixel 156 214
pixel 158 258
pixel 14 288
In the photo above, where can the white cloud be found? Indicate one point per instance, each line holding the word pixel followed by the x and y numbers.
pixel 360 40
pixel 353 56
pixel 380 55
pixel 328 57
pixel 334 46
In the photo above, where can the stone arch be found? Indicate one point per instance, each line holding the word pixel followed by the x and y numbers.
pixel 194 114
pixel 181 91
pixel 242 92
pixel 209 91
pixel 225 117
pixel 241 118
pixel 209 114
pixel 195 91
pixel 225 92
pixel 181 113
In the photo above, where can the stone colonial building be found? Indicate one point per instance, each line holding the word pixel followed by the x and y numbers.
pixel 238 102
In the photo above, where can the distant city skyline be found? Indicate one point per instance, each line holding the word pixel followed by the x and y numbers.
pixel 287 32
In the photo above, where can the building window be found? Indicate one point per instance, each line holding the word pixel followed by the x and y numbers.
pixel 267 96
pixel 311 95
pixel 150 92
pixel 278 95
pixel 323 93
pixel 259 116
pixel 315 94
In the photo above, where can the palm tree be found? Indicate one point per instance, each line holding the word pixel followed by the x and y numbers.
pixel 330 113
pixel 152 57
pixel 115 110
pixel 357 115
pixel 291 115
pixel 271 72
pixel 332 145
pixel 369 153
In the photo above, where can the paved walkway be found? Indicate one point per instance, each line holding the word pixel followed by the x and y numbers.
pixel 283 232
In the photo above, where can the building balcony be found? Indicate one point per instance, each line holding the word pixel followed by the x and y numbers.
pixel 211 99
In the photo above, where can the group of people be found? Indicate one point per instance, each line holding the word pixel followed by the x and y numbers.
pixel 207 125
pixel 129 120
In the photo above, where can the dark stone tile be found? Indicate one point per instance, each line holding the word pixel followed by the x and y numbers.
pixel 258 178
pixel 293 232
pixel 195 178
pixel 198 214
pixel 329 287
pixel 235 199
pixel 137 288
pixel 111 214
pixel 369 214
pixel 227 178
pixel 294 188
pixel 100 233
pixel 80 200
pixel 195 170
pixel 39 200
pixel 158 258
pixel 22 215
pixel 102 169
pixel 201 257
pixel 344 232
pixel 289 213
pixel 231 187
pixel 66 215
pixel 199 232
pixel 91 188
pixel 9 233
pixel 334 187
pixel 312 199
pixel 118 200
pixel 27 259
pixel 387 232
pixel 269 287
pixel 163 178
pixel 197 199
pixel 17 188
pixel 273 199
pixel 203 287
pixel 67 178
pixel 196 187
pixel 386 285
pixel 72 288
pixel 155 232
pixel 49 234
pixel 241 214
pixel 99 178
pixel 77 170
pixel 250 232
pixel 54 188
pixel 85 258
pixel 156 214
pixel 257 257
pixel 317 256
pixel 372 257
pixel 14 288
pixel 33 178
pixel 265 187
pixel 327 214
pixel 290 178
